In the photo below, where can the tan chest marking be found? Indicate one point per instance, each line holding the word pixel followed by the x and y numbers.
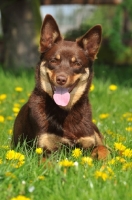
pixel 77 92
pixel 45 84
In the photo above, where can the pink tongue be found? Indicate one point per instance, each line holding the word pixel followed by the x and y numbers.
pixel 61 96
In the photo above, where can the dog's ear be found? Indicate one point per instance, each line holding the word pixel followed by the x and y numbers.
pixel 91 41
pixel 50 33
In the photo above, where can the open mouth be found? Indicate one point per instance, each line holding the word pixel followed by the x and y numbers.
pixel 61 94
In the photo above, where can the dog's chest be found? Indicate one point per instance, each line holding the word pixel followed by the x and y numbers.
pixel 71 130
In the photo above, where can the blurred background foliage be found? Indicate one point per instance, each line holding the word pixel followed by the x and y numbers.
pixel 116 22
pixel 21 23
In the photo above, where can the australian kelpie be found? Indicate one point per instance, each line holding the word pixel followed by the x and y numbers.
pixel 58 111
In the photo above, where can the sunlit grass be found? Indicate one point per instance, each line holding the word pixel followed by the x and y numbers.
pixel 73 174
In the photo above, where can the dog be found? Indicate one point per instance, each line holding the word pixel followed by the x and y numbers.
pixel 58 111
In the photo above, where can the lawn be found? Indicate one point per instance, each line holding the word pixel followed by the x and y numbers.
pixel 73 175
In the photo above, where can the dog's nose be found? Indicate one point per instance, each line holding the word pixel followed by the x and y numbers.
pixel 61 80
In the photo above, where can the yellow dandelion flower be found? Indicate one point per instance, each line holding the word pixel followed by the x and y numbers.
pixel 22 100
pixel 2 119
pixel 10 174
pixel 126 115
pixel 127 153
pixel 16 109
pixel 5 147
pixel 120 159
pixel 3 96
pixel 12 155
pixel 39 150
pixel 0 161
pixel 76 153
pixel 18 89
pixel 110 171
pixel 129 119
pixel 112 87
pixel 129 128
pixel 92 87
pixel 119 146
pixel 112 161
pixel 17 105
pixel 127 165
pixel 87 160
pixel 102 175
pixel 41 177
pixel 20 197
pixel 9 118
pixel 66 163
pixel 18 164
pixel 10 131
pixel 94 121
pixel 104 116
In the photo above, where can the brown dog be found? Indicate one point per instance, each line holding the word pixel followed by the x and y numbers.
pixel 58 111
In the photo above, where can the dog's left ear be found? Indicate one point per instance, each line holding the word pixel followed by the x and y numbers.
pixel 91 41
pixel 50 33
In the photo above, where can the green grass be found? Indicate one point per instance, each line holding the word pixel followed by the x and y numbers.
pixel 47 180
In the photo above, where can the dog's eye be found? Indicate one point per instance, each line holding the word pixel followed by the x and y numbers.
pixel 76 64
pixel 53 61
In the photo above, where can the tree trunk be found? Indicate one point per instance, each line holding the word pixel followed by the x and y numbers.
pixel 21 23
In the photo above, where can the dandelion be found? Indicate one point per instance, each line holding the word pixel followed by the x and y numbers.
pixel 9 174
pixel 87 160
pixel 5 147
pixel 94 121
pixel 9 118
pixel 41 177
pixel 76 153
pixel 3 96
pixel 39 150
pixel 66 163
pixel 10 131
pixel 22 100
pixel 129 119
pixel 16 109
pixel 2 119
pixel 17 105
pixel 10 154
pixel 20 197
pixel 127 165
pixel 18 89
pixel 126 115
pixel 18 157
pixel 102 175
pixel 92 87
pixel 119 146
pixel 129 128
pixel 0 161
pixel 112 87
pixel 104 116
pixel 127 153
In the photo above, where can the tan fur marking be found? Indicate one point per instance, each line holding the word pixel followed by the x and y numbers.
pixel 58 56
pixel 73 59
pixel 98 139
pixel 77 92
pixel 55 35
pixel 45 84
pixel 52 141
pixel 87 142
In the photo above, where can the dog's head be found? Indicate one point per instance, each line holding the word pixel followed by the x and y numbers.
pixel 66 66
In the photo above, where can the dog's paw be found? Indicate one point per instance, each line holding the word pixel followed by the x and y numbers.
pixel 100 152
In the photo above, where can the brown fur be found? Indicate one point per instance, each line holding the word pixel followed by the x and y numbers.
pixel 69 65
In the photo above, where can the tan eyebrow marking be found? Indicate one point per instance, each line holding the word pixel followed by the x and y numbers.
pixel 73 59
pixel 58 56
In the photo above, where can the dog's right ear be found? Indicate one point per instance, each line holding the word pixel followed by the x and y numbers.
pixel 50 33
